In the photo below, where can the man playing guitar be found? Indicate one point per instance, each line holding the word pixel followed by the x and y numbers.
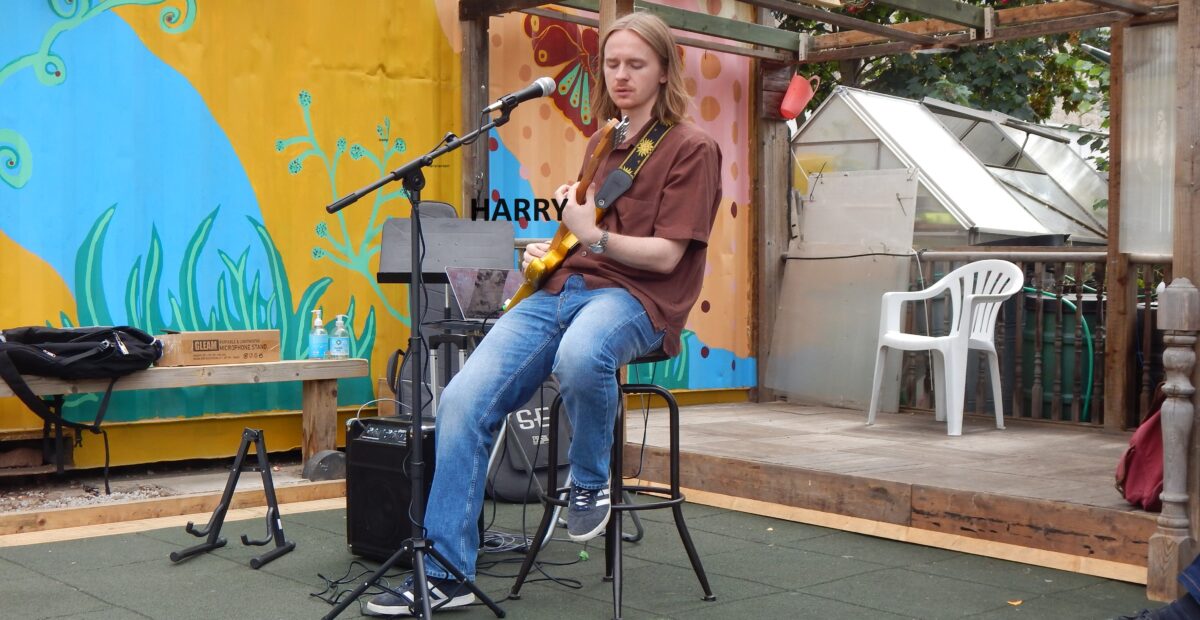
pixel 624 292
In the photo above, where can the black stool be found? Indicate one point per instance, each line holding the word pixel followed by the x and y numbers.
pixel 617 490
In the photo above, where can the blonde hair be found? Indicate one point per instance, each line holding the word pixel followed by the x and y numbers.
pixel 671 105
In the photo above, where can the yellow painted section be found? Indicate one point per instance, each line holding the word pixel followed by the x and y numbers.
pixel 361 61
pixel 209 437
pixel 691 398
pixel 21 270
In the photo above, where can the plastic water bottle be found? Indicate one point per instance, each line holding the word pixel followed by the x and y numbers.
pixel 339 339
pixel 318 339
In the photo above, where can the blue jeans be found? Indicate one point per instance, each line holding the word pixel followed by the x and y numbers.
pixel 582 336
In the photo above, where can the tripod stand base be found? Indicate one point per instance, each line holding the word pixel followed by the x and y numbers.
pixel 421 608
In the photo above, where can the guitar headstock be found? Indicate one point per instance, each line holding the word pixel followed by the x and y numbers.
pixel 620 131
pixel 611 134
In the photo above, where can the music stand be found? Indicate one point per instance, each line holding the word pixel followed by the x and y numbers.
pixel 412 178
pixel 449 242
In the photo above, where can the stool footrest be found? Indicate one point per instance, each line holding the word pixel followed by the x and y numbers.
pixel 667 502
pixel 555 500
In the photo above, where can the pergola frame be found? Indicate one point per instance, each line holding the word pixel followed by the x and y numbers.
pixel 951 24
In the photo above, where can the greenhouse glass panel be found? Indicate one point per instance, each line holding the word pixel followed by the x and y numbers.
pixel 957 125
pixel 834 121
pixel 1033 194
pixel 990 145
pixel 1066 167
pixel 953 175
pixel 934 226
pixel 837 156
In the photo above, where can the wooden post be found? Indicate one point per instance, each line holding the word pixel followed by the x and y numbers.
pixel 1172 547
pixel 474 98
pixel 773 159
pixel 772 170
pixel 1118 320
pixel 1186 250
pixel 610 10
pixel 318 422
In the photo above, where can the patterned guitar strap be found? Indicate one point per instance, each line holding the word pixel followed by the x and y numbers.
pixel 620 180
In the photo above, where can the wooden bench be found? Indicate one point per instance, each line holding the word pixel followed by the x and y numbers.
pixel 319 390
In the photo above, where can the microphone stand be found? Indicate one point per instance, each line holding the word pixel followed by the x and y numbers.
pixel 413 179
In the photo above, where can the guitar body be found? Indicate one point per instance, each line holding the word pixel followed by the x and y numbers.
pixel 612 134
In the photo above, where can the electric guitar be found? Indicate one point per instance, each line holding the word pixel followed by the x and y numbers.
pixel 611 134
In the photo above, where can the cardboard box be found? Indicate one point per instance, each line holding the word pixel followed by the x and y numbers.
pixel 227 347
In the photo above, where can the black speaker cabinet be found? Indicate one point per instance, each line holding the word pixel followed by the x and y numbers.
pixel 378 487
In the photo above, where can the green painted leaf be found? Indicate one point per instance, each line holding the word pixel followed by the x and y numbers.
pixel 176 311
pixel 89 284
pixel 188 286
pixel 365 342
pixel 132 287
pixel 151 282
pixel 224 316
pixel 257 302
pixel 282 291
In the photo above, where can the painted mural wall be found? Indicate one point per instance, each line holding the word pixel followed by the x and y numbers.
pixel 166 164
pixel 544 146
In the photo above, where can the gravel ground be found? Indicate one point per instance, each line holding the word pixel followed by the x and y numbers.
pixel 132 483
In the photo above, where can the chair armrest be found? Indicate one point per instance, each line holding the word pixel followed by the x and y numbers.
pixel 892 306
pixel 976 299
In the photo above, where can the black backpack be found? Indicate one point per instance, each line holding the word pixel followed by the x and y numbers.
pixel 76 353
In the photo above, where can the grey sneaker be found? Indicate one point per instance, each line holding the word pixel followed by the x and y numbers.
pixel 443 594
pixel 588 513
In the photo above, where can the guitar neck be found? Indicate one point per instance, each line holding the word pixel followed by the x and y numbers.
pixel 586 178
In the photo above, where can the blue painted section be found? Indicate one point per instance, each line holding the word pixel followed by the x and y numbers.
pixel 504 171
pixel 123 128
pixel 720 369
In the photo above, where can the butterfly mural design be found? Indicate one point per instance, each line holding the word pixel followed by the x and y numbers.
pixel 556 42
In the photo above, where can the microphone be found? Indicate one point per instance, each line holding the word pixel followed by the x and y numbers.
pixel 542 87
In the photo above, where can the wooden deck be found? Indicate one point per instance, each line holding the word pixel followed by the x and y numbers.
pixel 1037 493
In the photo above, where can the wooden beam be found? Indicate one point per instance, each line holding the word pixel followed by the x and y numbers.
pixel 1004 18
pixel 474 85
pixel 1122 5
pixel 156 378
pixel 475 9
pixel 609 11
pixel 692 21
pixel 844 21
pixel 1035 29
pixel 949 10
pixel 764 54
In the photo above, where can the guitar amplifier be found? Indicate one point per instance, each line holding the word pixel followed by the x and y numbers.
pixel 378 487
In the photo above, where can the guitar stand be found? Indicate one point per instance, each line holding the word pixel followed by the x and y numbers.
pixel 274 523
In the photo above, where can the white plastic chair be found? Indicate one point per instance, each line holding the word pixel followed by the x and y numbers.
pixel 976 292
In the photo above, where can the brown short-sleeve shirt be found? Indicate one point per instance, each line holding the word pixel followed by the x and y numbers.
pixel 675 196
